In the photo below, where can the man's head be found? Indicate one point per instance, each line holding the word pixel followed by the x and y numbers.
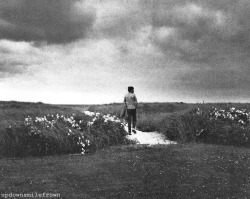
pixel 131 89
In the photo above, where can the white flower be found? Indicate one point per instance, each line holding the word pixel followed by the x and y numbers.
pixel 82 144
pixel 241 121
pixel 89 113
pixel 232 109
pixel 90 123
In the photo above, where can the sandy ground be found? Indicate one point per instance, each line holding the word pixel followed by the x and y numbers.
pixel 149 138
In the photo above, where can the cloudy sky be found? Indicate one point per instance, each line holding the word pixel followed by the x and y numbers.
pixel 90 51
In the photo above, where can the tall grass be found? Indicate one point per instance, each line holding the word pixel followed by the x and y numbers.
pixel 31 129
pixel 179 127
pixel 14 112
pixel 113 109
pixel 149 115
pixel 193 127
pixel 179 122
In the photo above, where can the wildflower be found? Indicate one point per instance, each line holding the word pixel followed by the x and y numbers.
pixel 89 113
pixel 82 144
pixel 232 109
pixel 83 152
pixel 241 121
pixel 90 123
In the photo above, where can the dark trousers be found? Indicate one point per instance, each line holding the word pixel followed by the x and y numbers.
pixel 131 114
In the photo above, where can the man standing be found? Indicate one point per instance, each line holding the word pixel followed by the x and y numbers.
pixel 131 103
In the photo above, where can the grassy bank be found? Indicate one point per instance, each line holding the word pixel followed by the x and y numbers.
pixel 14 112
pixel 43 129
pixel 189 170
pixel 175 171
pixel 151 115
pixel 183 123
pixel 32 129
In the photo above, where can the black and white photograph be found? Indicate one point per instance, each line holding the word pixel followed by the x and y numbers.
pixel 130 99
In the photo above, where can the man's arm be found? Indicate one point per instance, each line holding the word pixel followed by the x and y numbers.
pixel 125 101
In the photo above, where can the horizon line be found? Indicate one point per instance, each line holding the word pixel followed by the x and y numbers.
pixel 88 104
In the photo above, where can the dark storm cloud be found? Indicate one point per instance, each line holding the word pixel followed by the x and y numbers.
pixel 201 31
pixel 52 21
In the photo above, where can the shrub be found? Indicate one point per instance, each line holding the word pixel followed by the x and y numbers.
pixel 230 127
pixel 54 134
pixel 181 128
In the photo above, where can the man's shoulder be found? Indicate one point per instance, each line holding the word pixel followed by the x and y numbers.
pixel 130 95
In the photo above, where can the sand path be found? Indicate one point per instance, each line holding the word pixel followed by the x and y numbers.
pixel 149 138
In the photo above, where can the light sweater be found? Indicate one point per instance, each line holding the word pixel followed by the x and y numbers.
pixel 130 101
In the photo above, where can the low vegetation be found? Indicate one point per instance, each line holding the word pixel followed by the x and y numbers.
pixel 217 126
pixel 206 162
pixel 28 134
pixel 173 171
pixel 149 114
pixel 224 123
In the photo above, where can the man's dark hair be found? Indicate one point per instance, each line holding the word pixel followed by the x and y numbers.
pixel 130 88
